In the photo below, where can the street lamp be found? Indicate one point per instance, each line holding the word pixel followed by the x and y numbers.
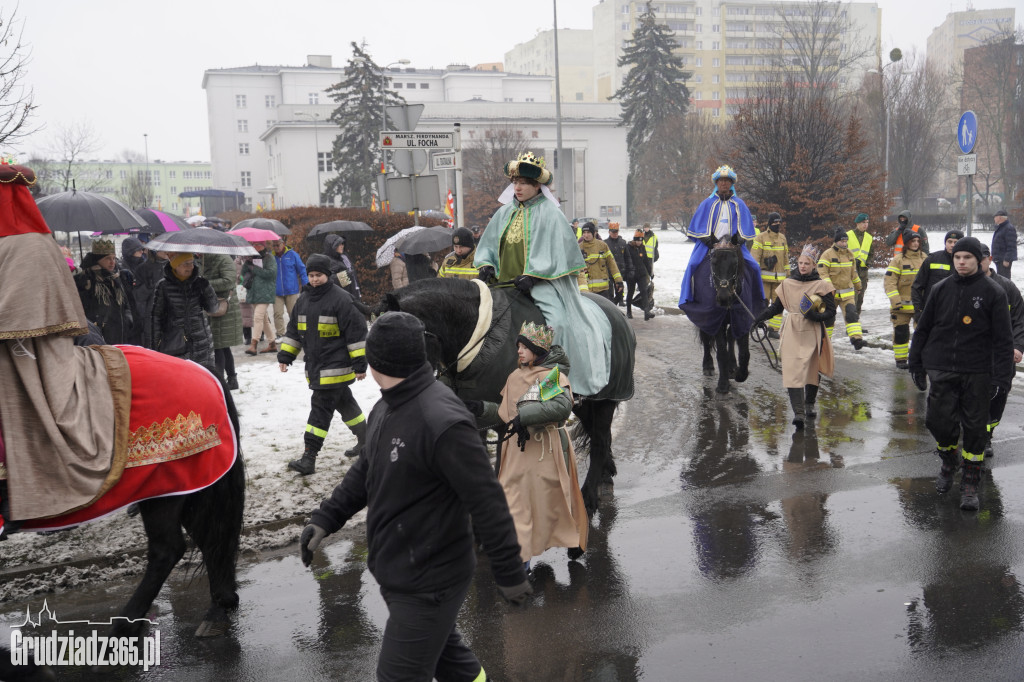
pixel 316 143
pixel 895 54
pixel 384 103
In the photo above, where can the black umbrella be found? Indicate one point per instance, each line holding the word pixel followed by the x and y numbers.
pixel 339 226
pixel 76 211
pixel 427 240
pixel 159 222
pixel 275 226
pixel 202 240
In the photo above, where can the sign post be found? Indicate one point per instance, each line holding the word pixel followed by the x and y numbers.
pixel 967 165
pixel 460 220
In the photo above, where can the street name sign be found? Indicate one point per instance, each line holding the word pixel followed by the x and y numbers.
pixel 967 132
pixel 443 161
pixel 397 139
pixel 967 164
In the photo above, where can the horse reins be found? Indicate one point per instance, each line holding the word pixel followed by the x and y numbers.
pixel 761 337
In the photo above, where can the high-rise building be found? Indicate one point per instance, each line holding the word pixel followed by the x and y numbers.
pixel 726 45
pixel 963 30
pixel 575 61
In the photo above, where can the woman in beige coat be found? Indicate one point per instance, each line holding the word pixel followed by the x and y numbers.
pixel 805 349
pixel 538 465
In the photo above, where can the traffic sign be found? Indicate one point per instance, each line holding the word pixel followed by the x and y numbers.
pixel 967 164
pixel 967 133
pixel 392 139
pixel 443 161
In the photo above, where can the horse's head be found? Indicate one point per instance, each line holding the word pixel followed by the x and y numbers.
pixel 726 274
pixel 447 308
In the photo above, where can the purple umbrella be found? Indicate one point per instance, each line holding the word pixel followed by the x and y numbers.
pixel 159 222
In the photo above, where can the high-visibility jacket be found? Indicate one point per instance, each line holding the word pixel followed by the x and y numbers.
pixel 651 244
pixel 454 267
pixel 897 247
pixel 861 244
pixel 837 267
pixel 899 279
pixel 601 267
pixel 328 327
pixel 765 245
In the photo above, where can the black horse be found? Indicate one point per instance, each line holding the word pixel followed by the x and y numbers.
pixel 212 518
pixel 726 303
pixel 450 309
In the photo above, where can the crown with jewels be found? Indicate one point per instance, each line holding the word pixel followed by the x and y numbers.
pixel 528 165
pixel 810 252
pixel 539 335
pixel 103 247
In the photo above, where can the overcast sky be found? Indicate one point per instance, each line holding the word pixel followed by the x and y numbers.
pixel 133 67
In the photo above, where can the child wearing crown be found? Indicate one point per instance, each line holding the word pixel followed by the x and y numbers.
pixel 538 465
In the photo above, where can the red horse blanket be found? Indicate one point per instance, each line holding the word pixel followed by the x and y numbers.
pixel 181 438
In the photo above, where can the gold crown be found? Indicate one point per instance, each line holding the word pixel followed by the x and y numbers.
pixel 540 335
pixel 103 247
pixel 528 165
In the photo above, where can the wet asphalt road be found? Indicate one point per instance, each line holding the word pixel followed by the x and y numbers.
pixel 729 549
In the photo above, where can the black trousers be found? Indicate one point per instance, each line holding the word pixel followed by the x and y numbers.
pixel 863 274
pixel 225 362
pixel 642 287
pixel 322 405
pixel 959 403
pixel 1003 270
pixel 420 639
pixel 995 410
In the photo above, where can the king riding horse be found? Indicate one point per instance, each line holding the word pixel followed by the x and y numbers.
pixel 452 310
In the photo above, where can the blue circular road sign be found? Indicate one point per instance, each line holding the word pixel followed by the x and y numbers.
pixel 967 132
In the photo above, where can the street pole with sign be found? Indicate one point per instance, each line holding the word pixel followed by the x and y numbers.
pixel 967 164
pixel 459 220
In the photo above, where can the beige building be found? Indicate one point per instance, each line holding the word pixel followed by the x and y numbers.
pixel 724 44
pixel 575 61
pixel 963 30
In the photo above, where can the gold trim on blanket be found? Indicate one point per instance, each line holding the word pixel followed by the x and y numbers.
pixel 173 439
pixel 3 472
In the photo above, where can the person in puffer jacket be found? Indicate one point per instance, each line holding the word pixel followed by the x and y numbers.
pixel 178 322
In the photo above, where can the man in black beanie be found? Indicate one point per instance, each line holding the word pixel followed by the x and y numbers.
pixel 423 475
pixel 963 348
pixel 935 268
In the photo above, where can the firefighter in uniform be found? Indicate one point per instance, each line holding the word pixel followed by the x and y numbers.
pixel 771 252
pixel 861 244
pixel 899 280
pixel 331 331
pixel 459 263
pixel 838 266
pixel 935 268
pixel 601 268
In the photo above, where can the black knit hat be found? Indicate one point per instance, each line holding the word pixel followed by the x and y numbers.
pixel 909 234
pixel 589 227
pixel 396 345
pixel 970 245
pixel 318 262
pixel 840 235
pixel 462 237
pixel 130 245
pixel 953 234
pixel 774 217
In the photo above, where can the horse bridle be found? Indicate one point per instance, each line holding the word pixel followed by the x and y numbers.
pixel 732 284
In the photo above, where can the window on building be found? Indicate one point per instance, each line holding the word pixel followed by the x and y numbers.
pixel 398 85
pixel 207 174
pixel 716 112
pixel 700 11
pixel 625 9
pixel 529 99
pixel 109 175
pixel 714 78
pixel 154 178
pixel 715 28
pixel 715 61
pixel 243 125
pixel 240 101
pixel 186 175
pixel 508 99
pixel 699 61
pixel 624 26
pixel 716 45
pixel 424 86
pixel 243 148
pixel 172 174
pixel 246 179
pixel 700 28
pixel 411 86
pixel 270 100
pixel 534 134
pixel 325 161
pixel 714 95
pixel 698 78
pixel 314 98
pixel 700 44
pixel 698 95
pixel 174 190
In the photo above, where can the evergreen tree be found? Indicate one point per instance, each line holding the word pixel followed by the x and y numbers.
pixel 654 89
pixel 356 151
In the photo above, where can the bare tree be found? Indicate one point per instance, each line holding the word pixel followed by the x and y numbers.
pixel 70 144
pixel 16 99
pixel 814 43
pixel 484 158
pixel 919 126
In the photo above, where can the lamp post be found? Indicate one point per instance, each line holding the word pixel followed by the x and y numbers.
pixel 384 105
pixel 316 143
pixel 895 55
pixel 559 160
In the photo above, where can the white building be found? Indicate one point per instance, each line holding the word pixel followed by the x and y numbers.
pixel 575 61
pixel 963 30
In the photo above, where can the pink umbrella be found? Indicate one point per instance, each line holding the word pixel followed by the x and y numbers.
pixel 252 234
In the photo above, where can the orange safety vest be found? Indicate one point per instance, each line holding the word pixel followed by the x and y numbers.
pixel 899 240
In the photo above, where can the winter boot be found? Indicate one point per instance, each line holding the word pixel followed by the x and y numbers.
pixel 251 350
pixel 796 400
pixel 810 395
pixel 970 486
pixel 950 463
pixel 233 382
pixel 773 334
pixel 902 364
pixel 629 311
pixel 649 315
pixel 360 431
pixel 857 342
pixel 307 464
pixel 247 335
pixel 271 347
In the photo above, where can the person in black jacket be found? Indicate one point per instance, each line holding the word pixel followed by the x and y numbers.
pixel 1016 302
pixel 617 245
pixel 105 292
pixel 935 268
pixel 147 276
pixel 178 319
pixel 1004 243
pixel 963 347
pixel 423 476
pixel 341 265
pixel 326 324
pixel 638 274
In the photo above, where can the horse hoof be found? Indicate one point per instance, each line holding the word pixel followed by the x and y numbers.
pixel 209 628
pixel 741 376
pixel 709 372
pixel 575 553
pixel 722 391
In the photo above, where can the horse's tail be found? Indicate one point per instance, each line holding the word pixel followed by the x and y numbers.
pixel 213 519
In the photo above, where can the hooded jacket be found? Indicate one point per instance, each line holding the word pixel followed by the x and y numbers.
pixel 339 262
pixel 423 475
pixel 291 273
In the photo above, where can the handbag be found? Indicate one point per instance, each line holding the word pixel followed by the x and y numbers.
pixel 221 309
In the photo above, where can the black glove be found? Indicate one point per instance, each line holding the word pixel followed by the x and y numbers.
pixel 516 594
pixel 815 316
pixel 486 273
pixel 475 407
pixel 709 241
pixel 312 536
pixel 736 239
pixel 920 379
pixel 770 261
pixel 522 433
pixel 524 283
pixel 618 287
